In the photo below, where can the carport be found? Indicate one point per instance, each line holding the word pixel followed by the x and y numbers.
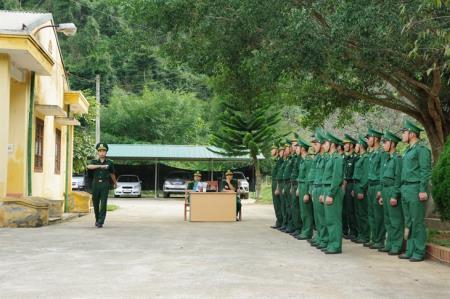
pixel 157 153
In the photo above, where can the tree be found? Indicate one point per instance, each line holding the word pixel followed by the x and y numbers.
pixel 247 134
pixel 441 184
pixel 322 55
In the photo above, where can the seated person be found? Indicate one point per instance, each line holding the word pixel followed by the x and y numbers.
pixel 195 185
pixel 231 185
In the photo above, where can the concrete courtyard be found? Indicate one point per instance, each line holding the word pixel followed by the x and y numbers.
pixel 146 250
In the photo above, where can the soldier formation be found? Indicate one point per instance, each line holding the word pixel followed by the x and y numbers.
pixel 358 189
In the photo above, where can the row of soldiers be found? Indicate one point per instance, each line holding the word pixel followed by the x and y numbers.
pixel 359 189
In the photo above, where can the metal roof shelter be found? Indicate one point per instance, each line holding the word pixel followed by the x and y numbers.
pixel 164 152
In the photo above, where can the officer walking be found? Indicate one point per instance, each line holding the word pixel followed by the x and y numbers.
pixel 349 224
pixel 102 170
pixel 390 194
pixel 416 173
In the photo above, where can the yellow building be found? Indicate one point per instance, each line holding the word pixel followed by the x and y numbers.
pixel 37 111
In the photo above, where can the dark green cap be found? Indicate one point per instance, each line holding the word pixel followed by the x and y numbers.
pixel 349 139
pixel 391 137
pixel 362 141
pixel 274 146
pixel 197 173
pixel 295 138
pixel 409 126
pixel 333 138
pixel 318 136
pixel 303 143
pixel 372 132
pixel 101 146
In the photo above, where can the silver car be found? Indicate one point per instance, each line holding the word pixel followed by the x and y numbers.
pixel 243 185
pixel 78 182
pixel 128 186
pixel 176 183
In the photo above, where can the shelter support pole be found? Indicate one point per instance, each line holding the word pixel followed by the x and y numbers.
pixel 156 179
pixel 211 167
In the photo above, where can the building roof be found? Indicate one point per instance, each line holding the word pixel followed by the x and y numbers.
pixel 22 22
pixel 170 152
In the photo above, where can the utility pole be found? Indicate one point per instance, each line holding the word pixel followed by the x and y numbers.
pixel 97 118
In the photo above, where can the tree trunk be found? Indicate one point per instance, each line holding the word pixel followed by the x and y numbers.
pixel 258 178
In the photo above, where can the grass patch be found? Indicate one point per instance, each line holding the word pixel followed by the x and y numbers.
pixel 441 238
pixel 111 208
pixel 266 194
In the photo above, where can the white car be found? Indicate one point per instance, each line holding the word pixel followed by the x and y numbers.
pixel 128 185
pixel 78 182
pixel 243 185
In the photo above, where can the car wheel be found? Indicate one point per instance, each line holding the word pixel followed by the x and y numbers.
pixel 139 196
pixel 115 196
pixel 166 194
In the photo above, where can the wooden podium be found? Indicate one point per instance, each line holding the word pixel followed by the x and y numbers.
pixel 212 206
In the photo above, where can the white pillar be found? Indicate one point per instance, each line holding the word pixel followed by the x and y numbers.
pixel 5 86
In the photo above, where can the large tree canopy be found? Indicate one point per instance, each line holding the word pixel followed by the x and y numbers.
pixel 321 55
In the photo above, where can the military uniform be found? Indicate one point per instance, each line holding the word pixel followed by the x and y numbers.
pixel 225 187
pixel 415 177
pixel 349 223
pixel 390 189
pixel 375 210
pixel 276 198
pixel 286 193
pixel 314 188
pixel 296 221
pixel 332 184
pixel 101 183
pixel 360 177
pixel 306 208
pixel 280 184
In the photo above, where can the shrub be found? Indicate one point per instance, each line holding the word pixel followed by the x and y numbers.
pixel 441 183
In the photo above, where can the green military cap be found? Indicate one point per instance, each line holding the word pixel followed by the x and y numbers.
pixel 374 133
pixel 349 139
pixel 303 143
pixel 101 146
pixel 318 136
pixel 197 173
pixel 229 172
pixel 295 138
pixel 391 137
pixel 362 141
pixel 287 143
pixel 333 138
pixel 409 126
pixel 274 146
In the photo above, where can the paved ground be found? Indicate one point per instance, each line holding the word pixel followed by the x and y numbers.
pixel 146 250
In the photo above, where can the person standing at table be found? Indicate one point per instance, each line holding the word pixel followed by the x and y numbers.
pixel 231 185
pixel 102 170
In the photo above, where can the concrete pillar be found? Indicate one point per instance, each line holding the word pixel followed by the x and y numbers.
pixel 4 121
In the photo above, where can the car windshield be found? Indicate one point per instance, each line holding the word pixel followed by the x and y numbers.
pixel 128 179
pixel 238 176
pixel 180 175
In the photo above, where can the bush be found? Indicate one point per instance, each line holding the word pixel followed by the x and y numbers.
pixel 441 183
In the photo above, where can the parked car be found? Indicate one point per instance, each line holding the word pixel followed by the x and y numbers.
pixel 78 182
pixel 176 183
pixel 128 185
pixel 243 185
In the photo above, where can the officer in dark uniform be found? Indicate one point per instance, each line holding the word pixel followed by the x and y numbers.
pixel 231 185
pixel 349 224
pixel 102 172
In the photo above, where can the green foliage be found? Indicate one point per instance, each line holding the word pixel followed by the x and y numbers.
pixel 84 137
pixel 157 116
pixel 441 184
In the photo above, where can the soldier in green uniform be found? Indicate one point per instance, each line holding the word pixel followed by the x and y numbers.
pixel 349 223
pixel 102 170
pixel 390 194
pixel 277 160
pixel 416 173
pixel 231 185
pixel 313 192
pixel 332 191
pixel 375 210
pixel 286 192
pixel 296 221
pixel 322 230
pixel 280 185
pixel 360 176
pixel 306 208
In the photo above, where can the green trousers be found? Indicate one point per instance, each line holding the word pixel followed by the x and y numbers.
pixel 276 204
pixel 315 191
pixel 100 193
pixel 306 212
pixel 393 220
pixel 333 220
pixel 284 204
pixel 323 232
pixel 414 216
pixel 376 215
pixel 296 221
pixel 288 198
pixel 362 214
pixel 348 212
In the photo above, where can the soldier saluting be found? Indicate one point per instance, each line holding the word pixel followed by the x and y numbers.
pixel 102 171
